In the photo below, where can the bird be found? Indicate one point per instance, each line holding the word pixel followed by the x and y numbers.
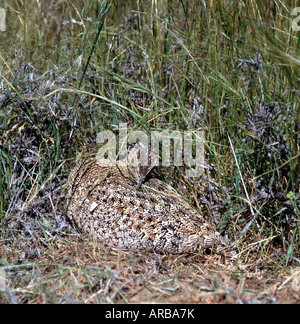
pixel 119 204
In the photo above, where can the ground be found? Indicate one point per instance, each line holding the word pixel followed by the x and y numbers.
pixel 77 270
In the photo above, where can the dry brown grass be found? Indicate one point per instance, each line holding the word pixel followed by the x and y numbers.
pixel 73 269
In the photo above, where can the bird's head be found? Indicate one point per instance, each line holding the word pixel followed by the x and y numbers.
pixel 138 163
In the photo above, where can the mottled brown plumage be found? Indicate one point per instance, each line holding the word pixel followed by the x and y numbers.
pixel 107 203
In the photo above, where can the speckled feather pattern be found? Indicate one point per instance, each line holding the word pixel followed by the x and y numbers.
pixel 105 204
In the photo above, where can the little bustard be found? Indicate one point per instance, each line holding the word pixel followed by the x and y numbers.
pixel 109 203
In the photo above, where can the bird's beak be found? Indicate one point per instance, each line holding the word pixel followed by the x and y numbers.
pixel 141 180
